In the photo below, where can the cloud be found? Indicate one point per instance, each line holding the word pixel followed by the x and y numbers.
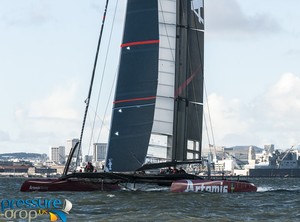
pixel 282 102
pixel 4 136
pixel 229 122
pixel 25 14
pixel 294 52
pixel 51 120
pixel 272 118
pixel 228 18
pixel 57 105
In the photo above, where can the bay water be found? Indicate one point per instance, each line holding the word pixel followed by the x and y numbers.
pixel 277 199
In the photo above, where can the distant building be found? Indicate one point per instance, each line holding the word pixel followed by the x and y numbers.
pixel 269 148
pixel 45 170
pixel 241 153
pixel 71 143
pixel 251 153
pixel 88 158
pixel 99 153
pixel 58 154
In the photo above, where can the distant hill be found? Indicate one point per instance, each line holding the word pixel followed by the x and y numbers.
pixel 22 155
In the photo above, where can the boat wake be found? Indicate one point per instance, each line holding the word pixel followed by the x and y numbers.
pixel 276 189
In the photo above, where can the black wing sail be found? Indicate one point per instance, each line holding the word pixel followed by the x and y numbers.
pixel 188 109
pixel 136 88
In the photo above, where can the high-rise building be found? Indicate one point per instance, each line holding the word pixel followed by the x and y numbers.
pixel 88 158
pixel 71 143
pixel 58 154
pixel 99 153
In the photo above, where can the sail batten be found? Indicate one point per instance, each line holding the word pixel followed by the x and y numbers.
pixel 164 109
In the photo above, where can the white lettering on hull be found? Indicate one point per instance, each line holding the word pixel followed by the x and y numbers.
pixel 205 188
pixel 37 188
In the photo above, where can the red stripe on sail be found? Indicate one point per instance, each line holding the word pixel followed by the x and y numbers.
pixel 186 83
pixel 135 99
pixel 147 42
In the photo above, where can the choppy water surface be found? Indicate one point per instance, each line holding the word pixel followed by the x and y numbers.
pixel 277 199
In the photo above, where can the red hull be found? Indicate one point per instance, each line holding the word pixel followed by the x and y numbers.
pixel 66 185
pixel 214 186
pixel 191 185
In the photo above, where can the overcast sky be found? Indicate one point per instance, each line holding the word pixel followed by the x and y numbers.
pixel 47 49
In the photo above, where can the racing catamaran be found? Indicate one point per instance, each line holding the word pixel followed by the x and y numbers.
pixel 159 93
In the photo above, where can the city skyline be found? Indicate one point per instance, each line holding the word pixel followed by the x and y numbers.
pixel 251 71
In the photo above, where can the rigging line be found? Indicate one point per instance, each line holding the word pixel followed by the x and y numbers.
pixel 103 72
pixel 87 101
pixel 92 132
pixel 207 131
pixel 209 117
pixel 99 118
pixel 107 105
pixel 137 160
